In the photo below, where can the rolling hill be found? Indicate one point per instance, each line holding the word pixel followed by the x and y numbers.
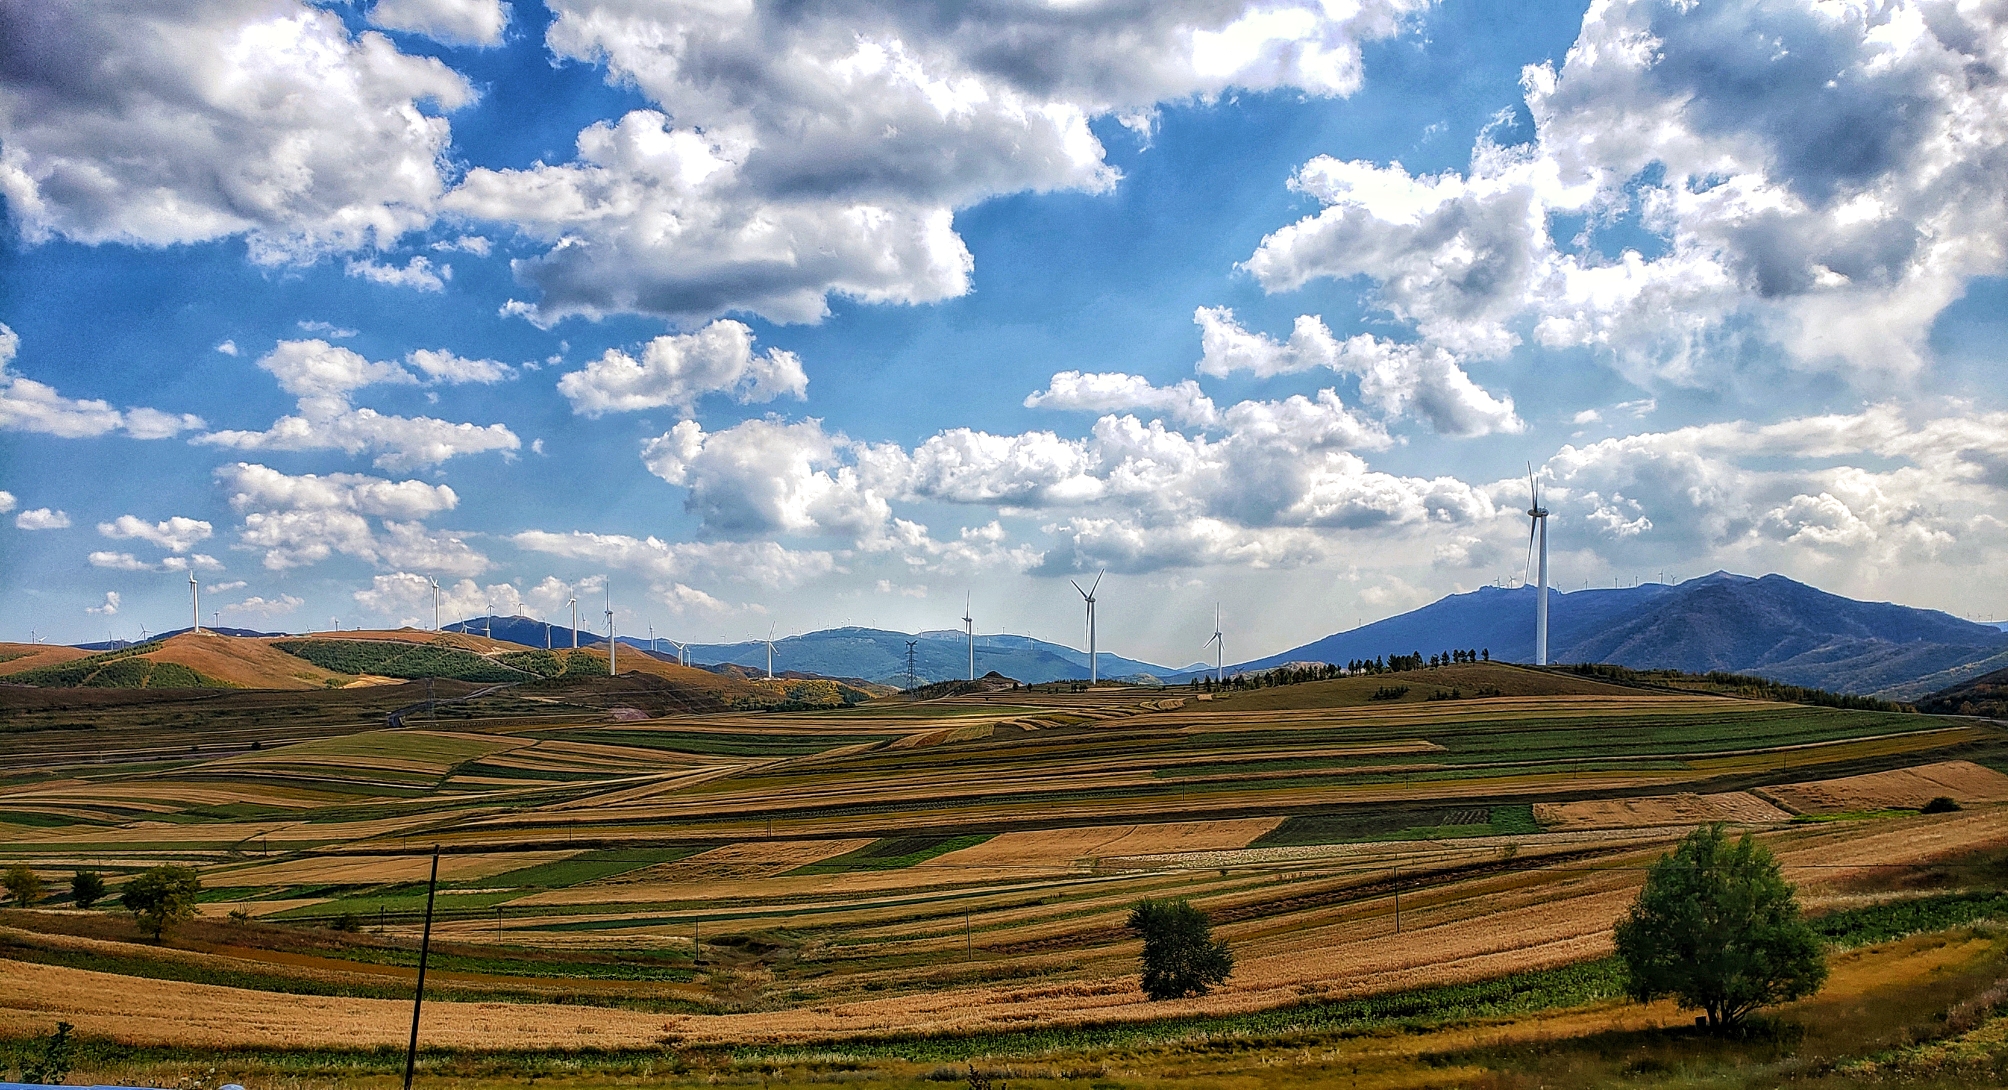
pixel 1771 627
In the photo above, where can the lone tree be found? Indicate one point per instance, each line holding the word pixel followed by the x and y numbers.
pixel 161 897
pixel 1717 928
pixel 87 887
pixel 1180 955
pixel 22 885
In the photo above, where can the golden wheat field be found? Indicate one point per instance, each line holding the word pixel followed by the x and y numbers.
pixel 958 869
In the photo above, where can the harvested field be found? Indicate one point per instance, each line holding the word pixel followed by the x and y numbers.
pixel 1063 847
pixel 1909 788
pixel 1737 807
pixel 751 859
pixel 350 870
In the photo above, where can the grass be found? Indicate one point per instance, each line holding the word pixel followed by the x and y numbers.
pixel 1402 823
pixel 891 853
pixel 589 866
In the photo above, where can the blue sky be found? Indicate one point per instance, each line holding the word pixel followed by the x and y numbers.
pixel 833 313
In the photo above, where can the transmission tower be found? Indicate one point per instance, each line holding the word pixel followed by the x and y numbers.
pixel 912 679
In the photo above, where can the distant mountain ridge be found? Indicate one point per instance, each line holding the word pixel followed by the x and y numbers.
pixel 1771 627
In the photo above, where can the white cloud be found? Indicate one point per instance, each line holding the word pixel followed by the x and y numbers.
pixel 41 518
pixel 824 149
pixel 440 365
pixel 1670 119
pixel 176 535
pixel 324 377
pixel 110 606
pixel 326 329
pixel 30 406
pixel 7 501
pixel 466 244
pixel 305 519
pixel 764 477
pixel 453 22
pixel 417 273
pixel 255 606
pixel 224 588
pixel 1419 380
pixel 228 348
pixel 1118 392
pixel 678 369
pixel 117 561
pixel 261 118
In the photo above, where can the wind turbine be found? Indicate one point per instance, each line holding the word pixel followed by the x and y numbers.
pixel 610 638
pixel 194 604
pixel 575 622
pixel 1537 528
pixel 435 605
pixel 654 648
pixel 682 653
pixel 1088 595
pixel 488 622
pixel 1220 646
pixel 770 652
pixel 969 625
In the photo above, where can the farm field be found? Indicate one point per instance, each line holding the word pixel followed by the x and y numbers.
pixel 953 869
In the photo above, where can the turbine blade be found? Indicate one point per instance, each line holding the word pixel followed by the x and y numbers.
pixel 1529 570
pixel 1077 586
pixel 1098 581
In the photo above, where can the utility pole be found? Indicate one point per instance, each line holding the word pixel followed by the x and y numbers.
pixel 424 951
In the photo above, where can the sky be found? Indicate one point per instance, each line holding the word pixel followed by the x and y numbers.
pixel 748 317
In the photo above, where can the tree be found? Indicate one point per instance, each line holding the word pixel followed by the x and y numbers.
pixel 54 1065
pixel 87 888
pixel 161 897
pixel 1717 927
pixel 1180 955
pixel 22 885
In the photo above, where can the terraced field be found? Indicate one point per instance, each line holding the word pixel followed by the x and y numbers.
pixel 959 865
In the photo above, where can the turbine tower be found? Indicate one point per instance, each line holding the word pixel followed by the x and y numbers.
pixel 969 626
pixel 770 652
pixel 575 622
pixel 1088 595
pixel 1537 531
pixel 194 604
pixel 435 604
pixel 1219 643
pixel 610 639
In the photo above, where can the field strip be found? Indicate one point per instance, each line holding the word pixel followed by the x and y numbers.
pixel 1685 809
pixel 1064 847
pixel 379 869
pixel 1962 781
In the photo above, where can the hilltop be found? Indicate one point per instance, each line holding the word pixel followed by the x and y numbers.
pixel 1771 627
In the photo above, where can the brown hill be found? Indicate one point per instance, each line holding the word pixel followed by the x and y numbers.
pixel 480 645
pixel 16 657
pixel 246 663
pixel 1464 680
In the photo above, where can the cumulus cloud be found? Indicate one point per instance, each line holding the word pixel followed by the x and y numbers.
pixel 256 606
pixel 118 561
pixel 110 606
pixel 666 564
pixel 7 501
pixel 1118 392
pixel 823 149
pixel 297 520
pixel 439 365
pixel 30 406
pixel 162 122
pixel 419 274
pixel 1829 191
pixel 678 369
pixel 452 22
pixel 764 477
pixel 176 535
pixel 324 377
pixel 1420 380
pixel 40 518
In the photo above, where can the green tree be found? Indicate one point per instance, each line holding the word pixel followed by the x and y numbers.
pixel 22 885
pixel 1180 955
pixel 161 897
pixel 87 887
pixel 1718 929
pixel 54 1065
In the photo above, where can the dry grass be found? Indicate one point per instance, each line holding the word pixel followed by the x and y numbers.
pixel 378 869
pixel 29 656
pixel 1738 807
pixel 1962 781
pixel 252 664
pixel 1064 847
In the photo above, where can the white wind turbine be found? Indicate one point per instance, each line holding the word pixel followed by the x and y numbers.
pixel 770 652
pixel 435 604
pixel 682 653
pixel 610 638
pixel 1088 595
pixel 194 604
pixel 1219 643
pixel 1537 529
pixel 969 626
pixel 575 622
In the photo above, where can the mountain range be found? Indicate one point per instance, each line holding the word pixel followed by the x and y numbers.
pixel 1771 627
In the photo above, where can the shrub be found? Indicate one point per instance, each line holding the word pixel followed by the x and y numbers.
pixel 1717 927
pixel 87 888
pixel 22 885
pixel 161 897
pixel 1180 955
pixel 1943 804
pixel 54 1064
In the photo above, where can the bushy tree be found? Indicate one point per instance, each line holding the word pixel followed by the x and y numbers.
pixel 1180 955
pixel 161 897
pixel 87 887
pixel 1718 929
pixel 23 887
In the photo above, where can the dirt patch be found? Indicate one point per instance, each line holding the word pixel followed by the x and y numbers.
pixel 1909 788
pixel 1736 807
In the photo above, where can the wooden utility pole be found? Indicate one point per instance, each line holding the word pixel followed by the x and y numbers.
pixel 424 950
